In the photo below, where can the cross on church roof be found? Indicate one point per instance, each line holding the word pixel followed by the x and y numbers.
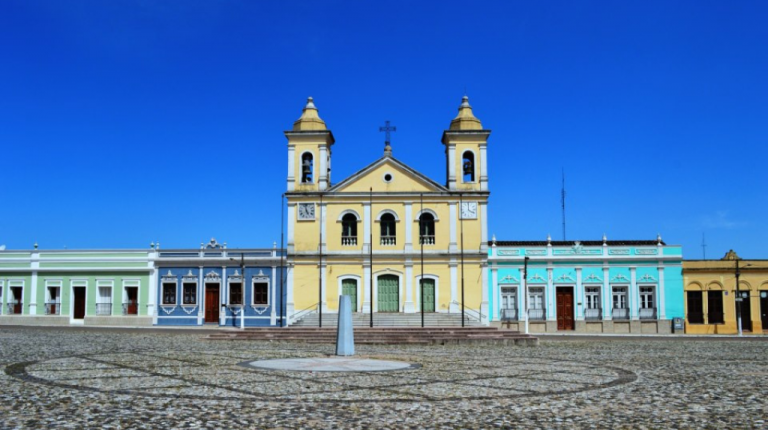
pixel 387 128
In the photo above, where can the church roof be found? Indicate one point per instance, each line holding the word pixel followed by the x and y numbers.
pixel 309 119
pixel 388 158
pixel 465 120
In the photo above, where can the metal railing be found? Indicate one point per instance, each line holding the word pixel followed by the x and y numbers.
pixel 593 314
pixel 647 313
pixel 103 308
pixel 13 307
pixel 348 240
pixel 509 315
pixel 426 239
pixel 298 315
pixel 537 314
pixel 620 314
pixel 53 308
pixel 715 318
pixel 388 240
pixel 131 308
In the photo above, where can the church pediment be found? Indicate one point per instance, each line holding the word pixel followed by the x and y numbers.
pixel 387 174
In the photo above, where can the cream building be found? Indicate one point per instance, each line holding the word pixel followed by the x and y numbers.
pixel 387 228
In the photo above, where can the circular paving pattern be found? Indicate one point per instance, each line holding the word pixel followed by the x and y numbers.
pixel 330 364
pixel 222 376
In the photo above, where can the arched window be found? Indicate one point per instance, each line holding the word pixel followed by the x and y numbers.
pixel 388 232
pixel 427 229
pixel 468 166
pixel 307 168
pixel 349 230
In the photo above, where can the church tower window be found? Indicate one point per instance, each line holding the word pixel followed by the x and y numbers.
pixel 468 166
pixel 388 233
pixel 426 229
pixel 349 230
pixel 307 168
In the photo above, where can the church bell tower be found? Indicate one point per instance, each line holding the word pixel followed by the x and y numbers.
pixel 309 152
pixel 465 150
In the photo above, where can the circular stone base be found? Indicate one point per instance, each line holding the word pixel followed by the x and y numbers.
pixel 331 364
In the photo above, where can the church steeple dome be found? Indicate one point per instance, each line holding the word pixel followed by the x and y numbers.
pixel 465 120
pixel 309 120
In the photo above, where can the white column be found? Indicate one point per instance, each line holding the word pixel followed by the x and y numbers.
pixel 661 303
pixel 483 208
pixel 606 296
pixel 409 306
pixel 495 312
pixel 322 175
pixel 366 288
pixel 550 295
pixel 290 221
pixel 200 296
pixel 453 306
pixel 152 296
pixel 291 167
pixel 484 301
pixel 367 225
pixel 408 227
pixel 323 293
pixel 224 295
pixel 289 306
pixel 273 300
pixel 634 299
pixel 523 300
pixel 483 167
pixel 580 305
pixel 451 166
pixel 35 264
pixel 452 246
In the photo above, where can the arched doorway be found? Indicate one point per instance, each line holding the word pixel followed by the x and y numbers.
pixel 428 294
pixel 388 294
pixel 349 288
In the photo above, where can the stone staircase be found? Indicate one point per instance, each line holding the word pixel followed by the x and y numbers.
pixel 383 335
pixel 390 320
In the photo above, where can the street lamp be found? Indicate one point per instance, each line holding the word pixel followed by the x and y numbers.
pixel 525 290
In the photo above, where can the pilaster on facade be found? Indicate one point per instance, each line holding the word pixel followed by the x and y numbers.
pixel 323 294
pixel 291 167
pixel 483 167
pixel 607 294
pixel 450 148
pixel 201 295
pixel 495 296
pixel 551 314
pixel 453 221
pixel 291 220
pixel 409 227
pixel 484 317
pixel 323 179
pixel 224 295
pixel 483 209
pixel 408 306
pixel 367 279
pixel 289 300
pixel 579 296
pixel 273 298
pixel 453 265
pixel 662 303
pixel 634 294
pixel 323 222
pixel 367 228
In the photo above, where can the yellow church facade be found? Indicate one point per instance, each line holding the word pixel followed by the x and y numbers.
pixel 393 239
pixel 712 298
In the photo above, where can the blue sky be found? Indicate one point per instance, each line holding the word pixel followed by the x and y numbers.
pixel 126 122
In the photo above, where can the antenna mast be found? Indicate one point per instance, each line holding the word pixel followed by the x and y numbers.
pixel 562 198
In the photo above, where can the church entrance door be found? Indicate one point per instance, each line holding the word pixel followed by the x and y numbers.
pixel 429 295
pixel 211 303
pixel 388 293
pixel 349 288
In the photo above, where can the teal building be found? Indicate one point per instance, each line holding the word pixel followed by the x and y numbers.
pixel 603 286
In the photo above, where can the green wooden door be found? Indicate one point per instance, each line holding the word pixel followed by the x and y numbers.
pixel 429 295
pixel 388 294
pixel 349 288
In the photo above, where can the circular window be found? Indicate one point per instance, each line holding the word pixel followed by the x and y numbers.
pixel 387 177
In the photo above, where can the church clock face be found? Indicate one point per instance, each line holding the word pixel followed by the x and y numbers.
pixel 469 210
pixel 306 211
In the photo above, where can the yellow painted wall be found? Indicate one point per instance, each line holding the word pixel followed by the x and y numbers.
pixel 719 275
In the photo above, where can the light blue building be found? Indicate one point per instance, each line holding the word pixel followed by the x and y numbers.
pixel 605 286
pixel 219 286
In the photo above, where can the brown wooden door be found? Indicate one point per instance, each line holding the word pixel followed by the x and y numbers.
pixel 212 303
pixel 17 297
pixel 79 303
pixel 132 295
pixel 565 308
pixel 746 311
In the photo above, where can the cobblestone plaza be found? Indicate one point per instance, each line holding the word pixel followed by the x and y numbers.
pixel 99 378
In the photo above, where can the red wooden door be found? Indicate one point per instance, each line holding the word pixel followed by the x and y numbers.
pixel 565 308
pixel 79 304
pixel 212 303
pixel 132 294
